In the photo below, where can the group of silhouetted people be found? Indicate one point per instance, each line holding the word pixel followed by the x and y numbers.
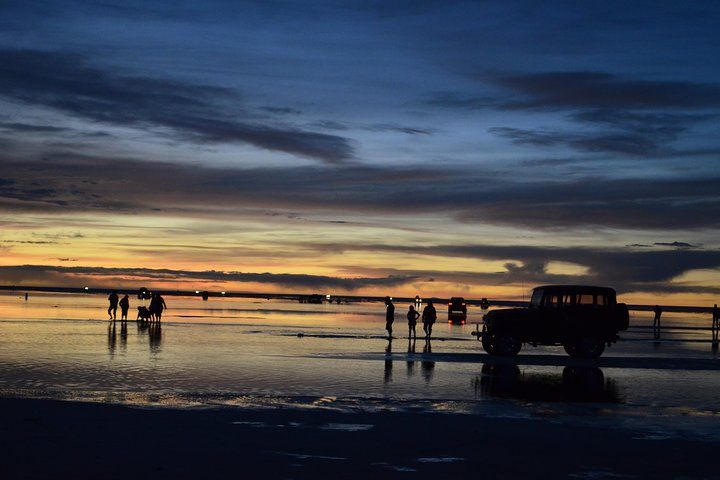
pixel 151 313
pixel 429 316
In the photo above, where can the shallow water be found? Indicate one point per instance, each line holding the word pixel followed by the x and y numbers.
pixel 259 353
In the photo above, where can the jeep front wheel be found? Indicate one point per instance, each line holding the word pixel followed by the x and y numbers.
pixel 505 344
pixel 487 343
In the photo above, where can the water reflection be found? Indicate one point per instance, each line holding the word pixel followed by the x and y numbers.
pixel 428 364
pixel 411 357
pixel 155 337
pixel 112 339
pixel 388 362
pixel 575 384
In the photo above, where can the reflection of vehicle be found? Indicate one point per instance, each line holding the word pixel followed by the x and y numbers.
pixel 575 384
pixel 582 319
pixel 457 310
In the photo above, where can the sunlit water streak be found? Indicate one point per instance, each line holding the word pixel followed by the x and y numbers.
pixel 239 352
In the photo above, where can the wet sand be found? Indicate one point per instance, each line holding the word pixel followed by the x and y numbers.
pixel 45 439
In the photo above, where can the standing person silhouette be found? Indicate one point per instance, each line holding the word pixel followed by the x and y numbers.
pixel 157 304
pixel 412 316
pixel 715 322
pixel 124 307
pixel 429 316
pixel 656 321
pixel 112 309
pixel 389 316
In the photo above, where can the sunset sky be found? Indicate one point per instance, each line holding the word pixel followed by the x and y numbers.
pixel 429 148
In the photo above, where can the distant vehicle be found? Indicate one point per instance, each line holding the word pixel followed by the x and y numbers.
pixel 457 309
pixel 583 319
pixel 315 298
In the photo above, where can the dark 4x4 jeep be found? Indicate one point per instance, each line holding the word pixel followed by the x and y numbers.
pixel 582 319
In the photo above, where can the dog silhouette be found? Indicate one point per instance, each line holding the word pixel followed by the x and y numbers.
pixel 144 314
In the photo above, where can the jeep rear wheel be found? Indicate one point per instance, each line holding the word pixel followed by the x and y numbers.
pixel 505 344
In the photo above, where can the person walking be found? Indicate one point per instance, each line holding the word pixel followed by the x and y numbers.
pixel 112 309
pixel 124 307
pixel 412 316
pixel 429 316
pixel 389 316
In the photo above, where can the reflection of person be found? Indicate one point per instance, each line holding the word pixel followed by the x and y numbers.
pixel 112 309
pixel 389 316
pixel 428 364
pixel 412 317
pixel 388 361
pixel 656 320
pixel 410 357
pixel 124 307
pixel 429 316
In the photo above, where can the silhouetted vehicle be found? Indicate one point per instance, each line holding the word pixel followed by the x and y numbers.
pixel 583 319
pixel 457 310
pixel 315 298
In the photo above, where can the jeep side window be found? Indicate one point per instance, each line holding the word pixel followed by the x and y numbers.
pixel 587 299
pixel 568 300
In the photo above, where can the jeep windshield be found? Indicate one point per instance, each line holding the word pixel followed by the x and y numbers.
pixel 537 296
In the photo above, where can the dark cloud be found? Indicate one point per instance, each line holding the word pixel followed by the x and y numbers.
pixel 675 244
pixel 563 90
pixel 626 269
pixel 25 127
pixel 628 143
pixel 618 131
pixel 23 273
pixel 68 83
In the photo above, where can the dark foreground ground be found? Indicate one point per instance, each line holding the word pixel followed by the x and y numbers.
pixel 49 439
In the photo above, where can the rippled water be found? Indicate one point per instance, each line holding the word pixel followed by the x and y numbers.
pixel 229 351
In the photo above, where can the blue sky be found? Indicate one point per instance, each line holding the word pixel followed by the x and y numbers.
pixel 435 147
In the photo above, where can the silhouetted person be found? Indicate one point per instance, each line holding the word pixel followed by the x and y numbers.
pixel 26 297
pixel 656 321
pixel 112 309
pixel 124 307
pixel 157 304
pixel 412 316
pixel 429 316
pixel 715 323
pixel 389 316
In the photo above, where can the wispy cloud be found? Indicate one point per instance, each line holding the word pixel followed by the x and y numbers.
pixel 71 84
pixel 74 183
pixel 25 273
